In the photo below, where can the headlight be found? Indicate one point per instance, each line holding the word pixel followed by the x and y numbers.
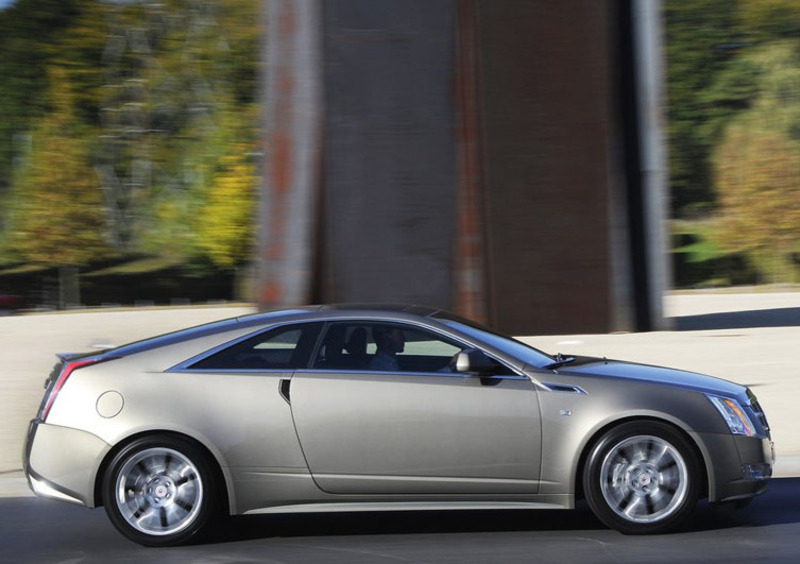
pixel 733 414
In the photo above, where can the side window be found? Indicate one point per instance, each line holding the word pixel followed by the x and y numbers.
pixel 344 347
pixel 284 348
pixel 391 347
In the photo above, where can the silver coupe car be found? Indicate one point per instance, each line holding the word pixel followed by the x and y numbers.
pixel 376 407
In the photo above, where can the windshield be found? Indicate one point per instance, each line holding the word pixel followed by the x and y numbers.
pixel 508 345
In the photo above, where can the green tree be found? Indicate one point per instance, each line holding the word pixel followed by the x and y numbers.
pixel 176 103
pixel 711 78
pixel 29 30
pixel 768 20
pixel 132 108
pixel 701 39
pixel 60 219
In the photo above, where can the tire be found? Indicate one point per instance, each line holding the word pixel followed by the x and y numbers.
pixel 642 478
pixel 161 491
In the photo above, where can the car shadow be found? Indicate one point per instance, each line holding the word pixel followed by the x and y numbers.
pixel 253 527
pixel 779 505
pixel 779 317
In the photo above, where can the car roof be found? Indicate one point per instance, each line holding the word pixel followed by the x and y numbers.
pixel 268 317
pixel 413 309
pixel 346 309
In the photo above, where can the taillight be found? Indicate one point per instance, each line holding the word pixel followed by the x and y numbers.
pixel 68 368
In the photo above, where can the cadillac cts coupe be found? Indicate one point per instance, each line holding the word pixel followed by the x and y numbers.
pixel 372 408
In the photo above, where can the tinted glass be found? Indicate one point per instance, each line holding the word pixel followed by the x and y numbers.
pixel 284 348
pixel 511 347
pixel 389 347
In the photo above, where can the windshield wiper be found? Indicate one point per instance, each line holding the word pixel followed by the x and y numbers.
pixel 560 360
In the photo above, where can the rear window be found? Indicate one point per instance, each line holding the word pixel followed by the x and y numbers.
pixel 283 348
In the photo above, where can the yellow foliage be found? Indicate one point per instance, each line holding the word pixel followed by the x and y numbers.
pixel 225 229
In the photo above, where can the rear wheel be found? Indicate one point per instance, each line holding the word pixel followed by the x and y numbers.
pixel 642 477
pixel 160 491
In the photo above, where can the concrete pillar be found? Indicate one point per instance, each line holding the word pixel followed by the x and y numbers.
pixel 546 90
pixel 292 152
pixel 468 154
pixel 389 181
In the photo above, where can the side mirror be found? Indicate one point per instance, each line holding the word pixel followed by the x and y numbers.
pixel 474 360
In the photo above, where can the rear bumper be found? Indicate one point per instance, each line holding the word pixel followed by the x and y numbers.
pixel 62 463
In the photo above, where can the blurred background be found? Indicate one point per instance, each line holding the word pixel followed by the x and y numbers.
pixel 550 167
pixel 128 138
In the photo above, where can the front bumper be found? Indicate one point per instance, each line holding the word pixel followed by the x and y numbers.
pixel 62 463
pixel 739 467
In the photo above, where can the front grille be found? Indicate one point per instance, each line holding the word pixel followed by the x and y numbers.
pixel 759 413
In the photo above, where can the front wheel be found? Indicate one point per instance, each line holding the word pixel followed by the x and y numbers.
pixel 642 478
pixel 160 491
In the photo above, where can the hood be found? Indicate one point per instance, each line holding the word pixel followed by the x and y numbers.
pixel 655 374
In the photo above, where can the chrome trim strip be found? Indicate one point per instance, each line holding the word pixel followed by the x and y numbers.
pixel 564 389
pixel 185 365
pixel 548 501
pixel 407 374
pixel 283 371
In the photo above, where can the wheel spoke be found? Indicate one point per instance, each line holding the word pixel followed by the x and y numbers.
pixel 185 505
pixel 143 469
pixel 639 452
pixel 625 501
pixel 630 509
pixel 671 463
pixel 185 479
pixel 660 456
pixel 647 450
pixel 142 509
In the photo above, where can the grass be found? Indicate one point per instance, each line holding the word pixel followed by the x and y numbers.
pixel 701 248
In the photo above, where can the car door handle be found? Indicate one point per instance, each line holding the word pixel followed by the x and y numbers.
pixel 283 389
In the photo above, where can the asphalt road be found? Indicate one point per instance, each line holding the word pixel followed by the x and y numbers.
pixel 34 530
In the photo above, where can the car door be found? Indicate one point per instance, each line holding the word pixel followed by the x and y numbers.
pixel 418 428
